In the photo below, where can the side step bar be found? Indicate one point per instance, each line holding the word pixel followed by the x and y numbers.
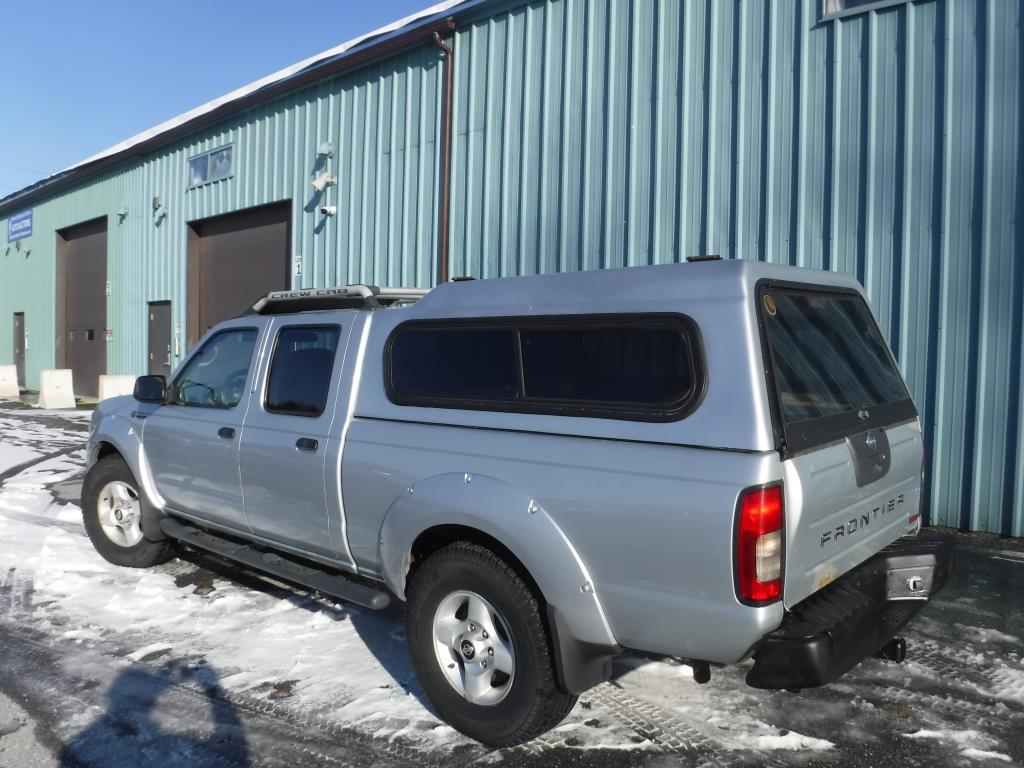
pixel 332 584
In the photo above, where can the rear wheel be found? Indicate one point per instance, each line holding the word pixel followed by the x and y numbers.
pixel 480 648
pixel 112 514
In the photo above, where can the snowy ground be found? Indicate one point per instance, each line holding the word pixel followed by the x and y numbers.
pixel 197 664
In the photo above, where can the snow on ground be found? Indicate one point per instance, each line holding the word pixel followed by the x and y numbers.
pixel 348 667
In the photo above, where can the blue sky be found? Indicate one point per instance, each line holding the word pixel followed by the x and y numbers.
pixel 81 76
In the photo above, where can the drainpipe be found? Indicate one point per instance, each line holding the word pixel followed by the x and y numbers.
pixel 444 202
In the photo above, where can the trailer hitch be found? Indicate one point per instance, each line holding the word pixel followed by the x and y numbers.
pixel 895 650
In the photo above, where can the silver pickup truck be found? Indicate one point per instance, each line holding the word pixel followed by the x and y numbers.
pixel 717 461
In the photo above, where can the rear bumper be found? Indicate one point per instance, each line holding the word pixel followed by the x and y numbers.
pixel 830 632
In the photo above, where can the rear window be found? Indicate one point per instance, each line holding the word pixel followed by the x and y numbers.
pixel 636 367
pixel 831 369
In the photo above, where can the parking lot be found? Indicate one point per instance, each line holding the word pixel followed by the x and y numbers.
pixel 197 664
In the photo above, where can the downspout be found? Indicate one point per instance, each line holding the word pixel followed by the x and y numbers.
pixel 444 193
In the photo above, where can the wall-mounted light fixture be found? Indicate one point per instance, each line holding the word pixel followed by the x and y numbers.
pixel 323 181
pixel 328 210
pixel 122 214
pixel 326 148
pixel 159 211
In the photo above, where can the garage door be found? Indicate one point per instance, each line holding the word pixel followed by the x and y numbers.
pixel 82 254
pixel 233 260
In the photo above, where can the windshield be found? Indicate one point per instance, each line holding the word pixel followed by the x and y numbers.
pixel 828 356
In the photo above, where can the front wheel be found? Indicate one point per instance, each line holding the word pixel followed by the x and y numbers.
pixel 480 649
pixel 112 513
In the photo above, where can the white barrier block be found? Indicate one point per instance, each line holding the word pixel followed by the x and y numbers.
pixel 114 385
pixel 55 389
pixel 9 381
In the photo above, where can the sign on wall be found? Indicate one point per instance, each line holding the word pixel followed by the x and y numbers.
pixel 19 225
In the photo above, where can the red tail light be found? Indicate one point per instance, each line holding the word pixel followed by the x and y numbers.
pixel 760 545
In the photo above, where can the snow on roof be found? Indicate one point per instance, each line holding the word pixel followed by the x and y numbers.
pixel 271 79
pixel 368 40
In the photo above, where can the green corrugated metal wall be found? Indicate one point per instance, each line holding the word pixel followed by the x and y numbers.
pixel 384 122
pixel 591 134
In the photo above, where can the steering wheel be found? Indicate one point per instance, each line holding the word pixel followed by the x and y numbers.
pixel 204 396
pixel 233 388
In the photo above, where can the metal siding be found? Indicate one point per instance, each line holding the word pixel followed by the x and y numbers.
pixel 885 144
pixel 606 133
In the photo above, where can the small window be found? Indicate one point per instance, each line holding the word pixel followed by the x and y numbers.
pixel 215 376
pixel 300 373
pixel 210 166
pixel 837 8
pixel 636 367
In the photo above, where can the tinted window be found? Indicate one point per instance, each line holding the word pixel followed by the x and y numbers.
pixel 300 372
pixel 634 367
pixel 215 376
pixel 643 365
pixel 454 364
pixel 828 356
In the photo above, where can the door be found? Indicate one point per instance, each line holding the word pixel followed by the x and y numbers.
pixel 19 347
pixel 83 285
pixel 232 261
pixel 851 439
pixel 285 440
pixel 191 444
pixel 160 338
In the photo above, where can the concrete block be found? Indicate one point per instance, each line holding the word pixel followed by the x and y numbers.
pixel 56 390
pixel 114 385
pixel 9 382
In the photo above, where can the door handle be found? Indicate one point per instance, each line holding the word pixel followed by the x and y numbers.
pixel 228 433
pixel 307 444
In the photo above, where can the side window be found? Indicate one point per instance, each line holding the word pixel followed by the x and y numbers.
pixel 215 376
pixel 645 367
pixel 633 367
pixel 455 364
pixel 300 371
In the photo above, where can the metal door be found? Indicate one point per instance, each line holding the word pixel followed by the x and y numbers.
pixel 19 347
pixel 232 261
pixel 283 456
pixel 160 338
pixel 84 282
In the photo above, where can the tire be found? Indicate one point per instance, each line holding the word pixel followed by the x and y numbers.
pixel 110 488
pixel 447 595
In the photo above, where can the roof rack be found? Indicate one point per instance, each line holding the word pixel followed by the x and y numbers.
pixel 345 297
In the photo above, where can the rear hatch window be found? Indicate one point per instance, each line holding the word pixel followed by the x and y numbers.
pixel 830 369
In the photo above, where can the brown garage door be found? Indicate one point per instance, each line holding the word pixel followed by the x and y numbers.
pixel 82 304
pixel 233 260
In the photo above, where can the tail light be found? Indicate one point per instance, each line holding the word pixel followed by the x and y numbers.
pixel 760 545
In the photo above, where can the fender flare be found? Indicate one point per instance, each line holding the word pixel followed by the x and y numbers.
pixel 581 635
pixel 123 437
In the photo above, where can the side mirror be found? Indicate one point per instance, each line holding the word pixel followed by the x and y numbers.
pixel 151 389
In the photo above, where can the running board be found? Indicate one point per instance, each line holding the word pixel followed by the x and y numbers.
pixel 332 584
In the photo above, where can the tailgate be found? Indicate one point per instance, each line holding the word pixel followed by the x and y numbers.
pixel 832 524
pixel 847 430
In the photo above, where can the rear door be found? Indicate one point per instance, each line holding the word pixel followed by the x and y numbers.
pixel 847 428
pixel 285 443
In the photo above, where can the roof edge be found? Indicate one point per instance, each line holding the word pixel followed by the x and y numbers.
pixel 349 55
